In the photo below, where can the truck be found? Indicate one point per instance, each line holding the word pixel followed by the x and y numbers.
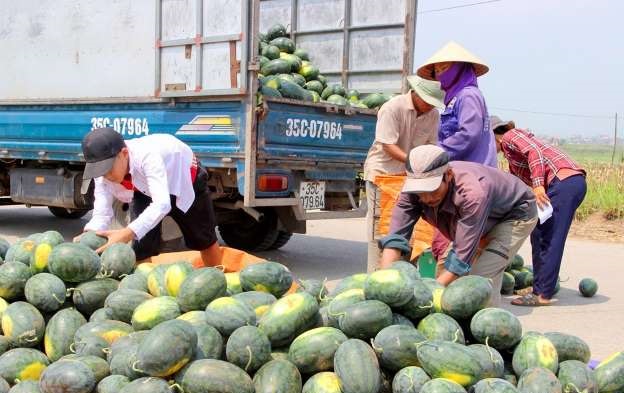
pixel 190 68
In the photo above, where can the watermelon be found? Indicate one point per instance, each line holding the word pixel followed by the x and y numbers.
pixel 248 348
pixel 200 288
pixel 73 262
pixel 324 382
pixel 588 287
pixel 233 283
pixel 420 303
pixel 436 293
pixel 490 360
pixel 365 319
pixel 209 342
pixel 108 330
pixel 144 269
pixel 337 100
pixel 5 344
pixel 277 376
pixel 442 359
pixel 258 301
pixel 156 281
pixel 91 346
pixel 409 380
pixel 67 376
pixel 112 384
pixel 314 350
pixel 497 327
pixel 315 288
pixel 25 387
pixel 134 281
pixel 569 347
pixel 280 353
pixel 209 375
pixel 509 283
pixel 39 258
pixel 295 61
pixel 390 286
pixel 91 295
pixel 98 366
pixel 227 314
pixel 175 275
pixel 45 291
pixel 123 302
pixel 123 355
pixel 22 364
pixel 396 347
pixel 59 333
pixel 287 317
pixel 4 247
pixel 21 251
pixel 441 327
pixel 338 304
pixel 407 268
pixel 101 314
pixel 271 277
pixel 465 296
pixel 118 260
pixel 357 366
pixel 53 238
pixel 538 380
pixel 92 240
pixel 270 52
pixel 315 86
pixel 610 373
pixel 194 317
pixel 147 385
pixel 523 279
pixel 355 281
pixel 154 311
pixel 167 348
pixel 374 100
pixel 284 44
pixel 13 277
pixel 23 324
pixel 575 376
pixel 441 385
pixel 535 350
pixel 493 385
pixel 275 31
pixel 398 319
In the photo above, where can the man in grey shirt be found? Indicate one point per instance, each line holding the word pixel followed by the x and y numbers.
pixel 470 204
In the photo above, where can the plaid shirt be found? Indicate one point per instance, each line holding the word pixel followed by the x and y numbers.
pixel 534 162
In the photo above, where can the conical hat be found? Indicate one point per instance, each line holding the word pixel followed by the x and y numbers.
pixel 452 52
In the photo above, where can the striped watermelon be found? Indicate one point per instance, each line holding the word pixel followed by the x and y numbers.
pixel 13 278
pixel 39 258
pixel 499 328
pixel 278 376
pixel 123 302
pixel 23 324
pixel 59 333
pixel 539 380
pixel 22 364
pixel 577 376
pixel 324 382
pixel 610 373
pixel 271 277
pixel 442 359
pixel 46 292
pixel 108 330
pixel 441 327
pixel 167 348
pixel 228 314
pixel 209 375
pixel 112 384
pixel 287 317
pixel 147 385
pixel 73 262
pixel 535 350
pixel 314 350
pixel 67 376
pixel 175 274
pixel 91 295
pixel 154 311
pixel 409 380
pixel 390 286
pixel 200 288
pixel 357 366
pixel 396 347
pixel 248 348
pixel 118 260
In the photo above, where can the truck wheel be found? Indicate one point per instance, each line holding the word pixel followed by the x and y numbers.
pixel 251 235
pixel 62 212
pixel 282 238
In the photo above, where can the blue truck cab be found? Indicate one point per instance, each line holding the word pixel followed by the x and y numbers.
pixel 274 163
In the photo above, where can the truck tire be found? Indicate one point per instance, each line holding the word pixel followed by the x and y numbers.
pixel 62 212
pixel 250 235
pixel 282 238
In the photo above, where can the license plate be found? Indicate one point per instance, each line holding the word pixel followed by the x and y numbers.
pixel 312 194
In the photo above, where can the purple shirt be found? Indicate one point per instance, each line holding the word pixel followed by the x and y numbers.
pixel 479 197
pixel 465 129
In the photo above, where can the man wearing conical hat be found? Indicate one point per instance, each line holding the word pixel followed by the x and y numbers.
pixel 464 131
pixel 404 122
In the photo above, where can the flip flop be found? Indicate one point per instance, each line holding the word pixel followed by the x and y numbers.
pixel 525 291
pixel 529 300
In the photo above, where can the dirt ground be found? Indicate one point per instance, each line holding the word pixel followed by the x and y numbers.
pixel 597 228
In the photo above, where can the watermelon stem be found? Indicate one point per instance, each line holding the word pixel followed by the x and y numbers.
pixel 430 306
pixel 106 350
pixel 220 267
pixel 329 312
pixel 250 358
pixel 457 337
pixel 377 349
pixel 72 347
pixel 487 345
pixel 176 386
pixel 136 369
pixel 574 386
pixel 70 291
pixel 57 299
pixel 418 344
pixel 321 296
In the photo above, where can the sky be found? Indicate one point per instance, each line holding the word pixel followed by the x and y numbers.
pixel 556 56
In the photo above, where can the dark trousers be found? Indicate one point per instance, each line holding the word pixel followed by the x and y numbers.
pixel 548 239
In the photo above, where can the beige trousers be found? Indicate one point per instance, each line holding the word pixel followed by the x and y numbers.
pixel 372 218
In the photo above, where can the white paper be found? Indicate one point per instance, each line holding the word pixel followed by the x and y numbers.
pixel 544 214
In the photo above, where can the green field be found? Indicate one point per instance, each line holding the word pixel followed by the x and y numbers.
pixel 594 154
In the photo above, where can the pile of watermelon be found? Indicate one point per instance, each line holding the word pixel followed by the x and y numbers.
pixel 286 71
pixel 73 321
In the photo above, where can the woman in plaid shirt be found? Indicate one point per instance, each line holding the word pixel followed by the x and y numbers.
pixel 556 180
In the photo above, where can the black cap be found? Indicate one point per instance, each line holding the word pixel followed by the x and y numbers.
pixel 100 148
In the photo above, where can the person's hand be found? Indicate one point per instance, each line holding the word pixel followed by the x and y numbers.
pixel 115 236
pixel 541 197
pixel 446 277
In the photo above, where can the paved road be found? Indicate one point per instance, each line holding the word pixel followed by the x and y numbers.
pixel 334 249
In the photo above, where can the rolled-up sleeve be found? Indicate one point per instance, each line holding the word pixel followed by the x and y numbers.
pixel 387 128
pixel 470 120
pixel 405 214
pixel 156 174
pixel 474 213
pixel 102 207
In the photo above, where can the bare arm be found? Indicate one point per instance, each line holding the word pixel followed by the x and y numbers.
pixel 395 152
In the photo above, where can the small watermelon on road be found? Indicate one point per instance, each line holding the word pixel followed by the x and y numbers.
pixel 588 287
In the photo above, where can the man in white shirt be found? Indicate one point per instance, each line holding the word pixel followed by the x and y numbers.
pixel 158 176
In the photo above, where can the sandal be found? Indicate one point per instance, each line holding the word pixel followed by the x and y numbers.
pixel 529 300
pixel 524 291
